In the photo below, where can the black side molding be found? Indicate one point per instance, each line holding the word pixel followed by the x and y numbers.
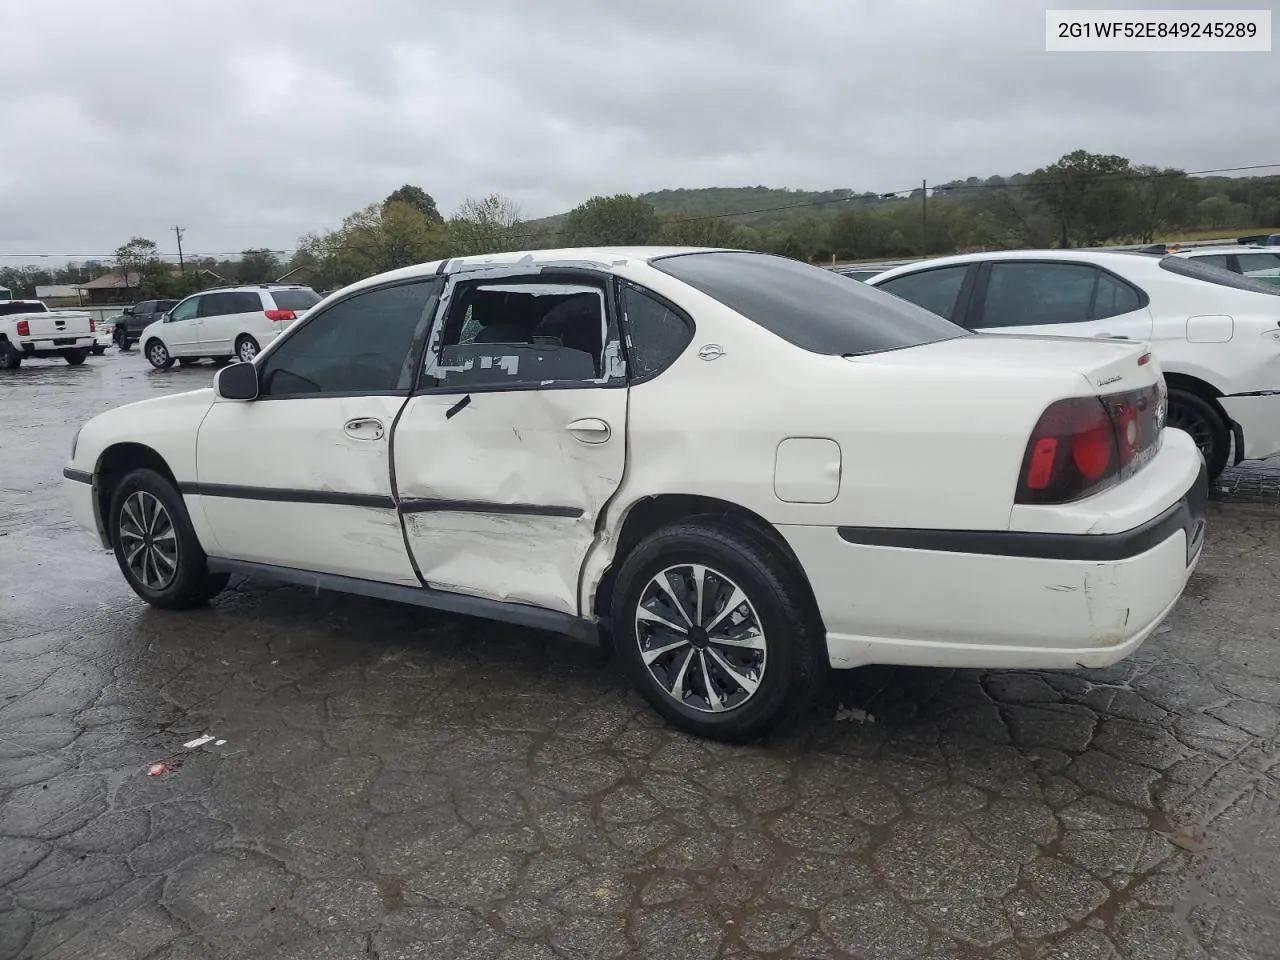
pixel 484 506
pixel 521 614
pixel 281 495
pixel 1188 514
pixel 79 476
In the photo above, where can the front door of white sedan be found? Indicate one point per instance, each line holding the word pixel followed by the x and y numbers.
pixel 301 476
pixel 1056 299
pixel 517 439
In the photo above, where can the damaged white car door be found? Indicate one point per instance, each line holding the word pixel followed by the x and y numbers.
pixel 516 437
pixel 301 477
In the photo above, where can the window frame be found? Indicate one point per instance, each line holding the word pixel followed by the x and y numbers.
pixel 620 286
pixel 964 296
pixel 413 360
pixel 198 298
pixel 428 384
pixel 978 301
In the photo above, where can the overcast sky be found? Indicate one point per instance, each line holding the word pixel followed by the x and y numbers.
pixel 250 122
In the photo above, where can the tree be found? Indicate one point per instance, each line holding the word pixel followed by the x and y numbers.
pixel 419 199
pixel 682 230
pixel 1087 194
pixel 488 225
pixel 258 265
pixel 619 220
pixel 382 236
pixel 1161 200
pixel 134 258
pixel 1212 212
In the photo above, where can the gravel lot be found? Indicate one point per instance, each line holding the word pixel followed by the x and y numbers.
pixel 397 783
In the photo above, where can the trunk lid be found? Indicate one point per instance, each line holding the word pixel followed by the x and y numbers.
pixel 1110 366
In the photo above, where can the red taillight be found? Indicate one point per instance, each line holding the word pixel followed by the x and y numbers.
pixel 24 328
pixel 93 325
pixel 278 316
pixel 1084 444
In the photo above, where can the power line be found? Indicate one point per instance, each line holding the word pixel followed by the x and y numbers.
pixel 867 196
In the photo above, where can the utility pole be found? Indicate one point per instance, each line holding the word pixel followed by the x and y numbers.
pixel 924 217
pixel 182 267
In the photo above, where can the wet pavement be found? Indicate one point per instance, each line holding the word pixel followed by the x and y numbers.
pixel 404 784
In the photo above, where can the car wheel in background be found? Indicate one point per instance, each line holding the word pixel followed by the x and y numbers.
pixel 1206 425
pixel 158 354
pixel 97 350
pixel 156 546
pixel 716 630
pixel 220 361
pixel 246 348
pixel 123 343
pixel 188 361
pixel 75 357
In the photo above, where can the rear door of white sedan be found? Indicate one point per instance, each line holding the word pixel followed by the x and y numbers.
pixel 1057 298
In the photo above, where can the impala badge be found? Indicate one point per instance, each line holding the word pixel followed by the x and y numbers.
pixel 710 351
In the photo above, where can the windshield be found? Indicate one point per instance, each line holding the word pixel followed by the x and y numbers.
pixel 810 307
pixel 10 307
pixel 1197 269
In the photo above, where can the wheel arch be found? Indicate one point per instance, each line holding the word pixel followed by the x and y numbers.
pixel 113 464
pixel 650 514
pixel 1190 383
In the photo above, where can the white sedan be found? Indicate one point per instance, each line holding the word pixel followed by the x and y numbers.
pixel 734 468
pixel 1216 333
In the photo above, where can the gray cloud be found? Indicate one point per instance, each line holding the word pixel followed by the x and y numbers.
pixel 252 122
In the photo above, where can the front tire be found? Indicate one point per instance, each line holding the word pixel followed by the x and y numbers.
pixel 156 546
pixel 1208 428
pixel 246 349
pixel 716 630
pixel 123 343
pixel 158 355
pixel 76 357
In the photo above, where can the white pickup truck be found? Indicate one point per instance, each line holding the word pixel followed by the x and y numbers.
pixel 28 328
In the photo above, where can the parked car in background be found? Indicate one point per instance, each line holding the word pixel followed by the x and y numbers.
pixel 862 274
pixel 1260 263
pixel 133 320
pixel 28 328
pixel 738 467
pixel 1217 333
pixel 230 322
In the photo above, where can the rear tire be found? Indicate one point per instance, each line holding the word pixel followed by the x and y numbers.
pixel 158 355
pixel 1207 426
pixel 705 682
pixel 123 343
pixel 246 349
pixel 76 357
pixel 10 359
pixel 156 546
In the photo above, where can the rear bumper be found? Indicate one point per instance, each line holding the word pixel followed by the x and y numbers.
pixel 1000 600
pixel 55 347
pixel 1258 416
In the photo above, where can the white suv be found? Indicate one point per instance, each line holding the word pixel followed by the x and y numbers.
pixel 224 323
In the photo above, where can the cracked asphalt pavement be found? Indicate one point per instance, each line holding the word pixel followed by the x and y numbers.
pixel 403 784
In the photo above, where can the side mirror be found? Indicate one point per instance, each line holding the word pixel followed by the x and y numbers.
pixel 239 381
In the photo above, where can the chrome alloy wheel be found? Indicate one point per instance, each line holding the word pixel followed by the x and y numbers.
pixel 149 540
pixel 700 638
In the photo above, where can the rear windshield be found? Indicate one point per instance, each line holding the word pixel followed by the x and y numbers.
pixel 812 308
pixel 1199 270
pixel 10 307
pixel 295 300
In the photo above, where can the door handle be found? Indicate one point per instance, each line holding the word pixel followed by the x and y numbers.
pixel 590 430
pixel 363 428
